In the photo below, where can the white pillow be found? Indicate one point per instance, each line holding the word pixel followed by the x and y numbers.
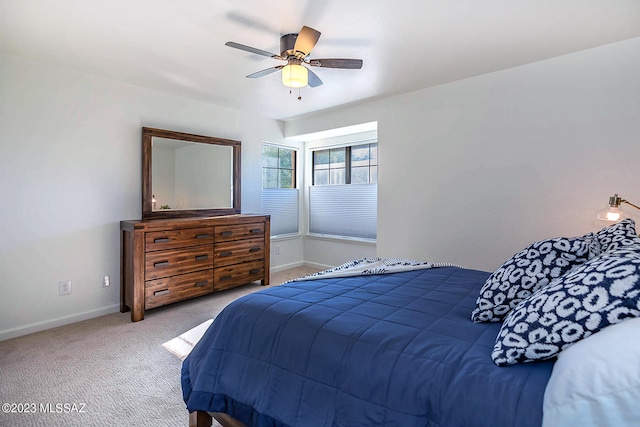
pixel 596 382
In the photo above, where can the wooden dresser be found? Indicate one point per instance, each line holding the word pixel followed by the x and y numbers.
pixel 168 260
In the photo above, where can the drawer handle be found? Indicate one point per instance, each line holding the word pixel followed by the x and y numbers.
pixel 226 233
pixel 254 250
pixel 223 278
pixel 162 292
pixel 228 253
pixel 201 257
pixel 200 284
pixel 161 240
pixel 254 271
pixel 161 264
pixel 202 236
pixel 255 230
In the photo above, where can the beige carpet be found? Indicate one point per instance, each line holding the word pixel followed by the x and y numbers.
pixel 115 372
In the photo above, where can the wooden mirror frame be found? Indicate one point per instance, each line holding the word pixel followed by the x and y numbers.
pixel 147 195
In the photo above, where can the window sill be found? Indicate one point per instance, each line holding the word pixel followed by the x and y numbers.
pixel 281 237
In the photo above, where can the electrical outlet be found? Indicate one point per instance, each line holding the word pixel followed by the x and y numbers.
pixel 64 288
pixel 106 282
pixel 277 250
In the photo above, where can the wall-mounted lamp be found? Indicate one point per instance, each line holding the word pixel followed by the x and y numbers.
pixel 613 212
pixel 295 75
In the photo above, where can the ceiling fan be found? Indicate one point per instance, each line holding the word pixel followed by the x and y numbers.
pixel 295 49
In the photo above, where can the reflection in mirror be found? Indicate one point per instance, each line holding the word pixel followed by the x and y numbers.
pixel 189 175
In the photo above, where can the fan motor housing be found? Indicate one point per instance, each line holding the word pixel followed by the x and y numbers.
pixel 287 43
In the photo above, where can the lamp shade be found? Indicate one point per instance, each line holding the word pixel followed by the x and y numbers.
pixel 614 212
pixel 295 76
pixel 609 214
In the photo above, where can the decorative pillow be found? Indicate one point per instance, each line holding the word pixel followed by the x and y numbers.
pixel 603 291
pixel 618 235
pixel 529 270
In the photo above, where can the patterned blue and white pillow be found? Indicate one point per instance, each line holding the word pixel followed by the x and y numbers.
pixel 603 291
pixel 618 235
pixel 532 268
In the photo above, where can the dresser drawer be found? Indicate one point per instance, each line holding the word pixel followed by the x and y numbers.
pixel 177 288
pixel 177 261
pixel 238 274
pixel 180 238
pixel 237 252
pixel 228 233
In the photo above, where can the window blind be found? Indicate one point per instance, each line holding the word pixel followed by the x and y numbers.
pixel 282 205
pixel 344 210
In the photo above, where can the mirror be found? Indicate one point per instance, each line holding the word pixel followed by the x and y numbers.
pixel 187 175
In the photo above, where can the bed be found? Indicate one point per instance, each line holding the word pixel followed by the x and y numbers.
pixel 400 349
pixel 394 349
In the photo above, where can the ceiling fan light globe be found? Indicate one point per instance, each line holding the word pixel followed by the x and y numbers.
pixel 295 76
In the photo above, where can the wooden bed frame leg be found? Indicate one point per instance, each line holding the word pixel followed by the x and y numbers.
pixel 200 419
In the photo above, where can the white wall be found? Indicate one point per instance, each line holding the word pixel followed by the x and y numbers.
pixel 70 170
pixel 472 171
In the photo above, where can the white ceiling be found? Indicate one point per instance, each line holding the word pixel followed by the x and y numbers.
pixel 178 46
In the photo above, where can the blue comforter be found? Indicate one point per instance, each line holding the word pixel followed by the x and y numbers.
pixel 396 350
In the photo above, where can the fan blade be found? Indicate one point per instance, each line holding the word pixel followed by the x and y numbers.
pixel 252 50
pixel 314 80
pixel 307 39
pixel 265 72
pixel 351 64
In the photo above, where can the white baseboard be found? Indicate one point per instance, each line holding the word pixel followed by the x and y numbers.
pixel 60 321
pixel 318 266
pixel 286 267
pixel 300 264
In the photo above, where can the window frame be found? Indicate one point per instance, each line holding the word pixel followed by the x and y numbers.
pixel 294 166
pixel 348 161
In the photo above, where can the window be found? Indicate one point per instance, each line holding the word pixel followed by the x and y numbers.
pixel 343 197
pixel 278 167
pixel 279 192
pixel 356 164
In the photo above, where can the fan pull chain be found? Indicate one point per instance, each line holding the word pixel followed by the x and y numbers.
pixel 299 96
